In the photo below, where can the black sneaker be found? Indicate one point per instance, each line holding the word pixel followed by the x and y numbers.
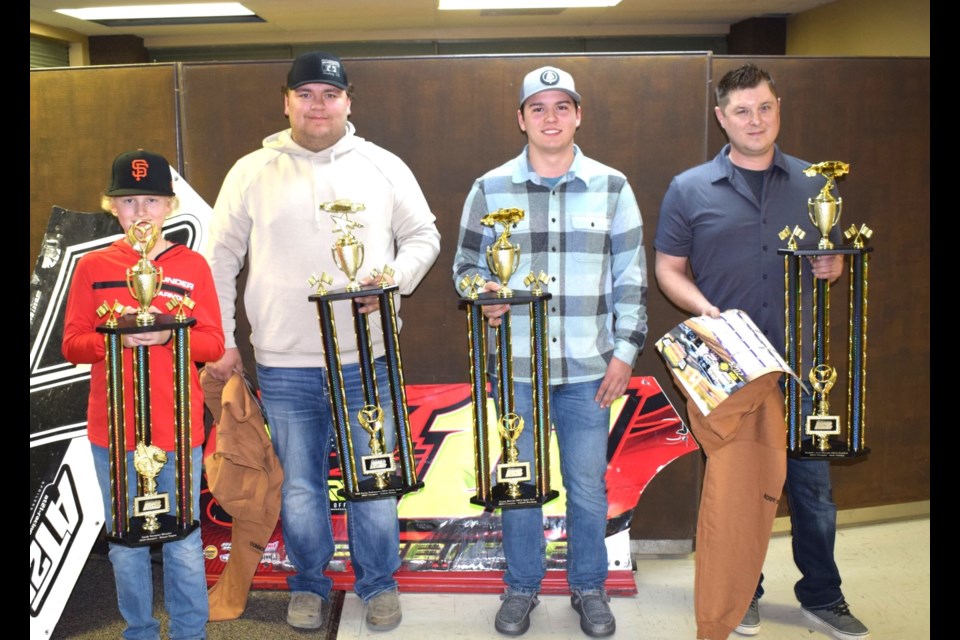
pixel 843 625
pixel 513 619
pixel 596 619
pixel 750 625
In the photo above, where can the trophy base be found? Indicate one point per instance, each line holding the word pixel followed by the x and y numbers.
pixel 367 489
pixel 169 531
pixel 838 449
pixel 528 498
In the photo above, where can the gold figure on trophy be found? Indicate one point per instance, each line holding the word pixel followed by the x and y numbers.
pixel 347 250
pixel 321 282
pixel 510 427
pixel 536 280
pixel 503 258
pixel 179 304
pixel 821 424
pixel 144 278
pixel 472 286
pixel 148 460
pixel 859 236
pixel 791 236
pixel 371 419
pixel 824 210
pixel 111 311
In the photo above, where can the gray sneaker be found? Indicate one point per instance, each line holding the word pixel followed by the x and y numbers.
pixel 750 625
pixel 303 612
pixel 596 619
pixel 383 611
pixel 513 618
pixel 843 625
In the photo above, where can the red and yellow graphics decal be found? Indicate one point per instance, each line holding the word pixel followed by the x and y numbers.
pixel 449 544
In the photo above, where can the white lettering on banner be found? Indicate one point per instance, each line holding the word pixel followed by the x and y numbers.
pixel 52 532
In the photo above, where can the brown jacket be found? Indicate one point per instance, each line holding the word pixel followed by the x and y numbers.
pixel 245 477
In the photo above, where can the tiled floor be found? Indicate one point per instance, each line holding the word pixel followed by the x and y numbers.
pixel 885 569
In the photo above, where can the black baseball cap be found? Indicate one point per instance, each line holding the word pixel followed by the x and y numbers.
pixel 317 66
pixel 140 173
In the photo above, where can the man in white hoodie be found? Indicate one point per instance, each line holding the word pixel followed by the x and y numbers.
pixel 269 208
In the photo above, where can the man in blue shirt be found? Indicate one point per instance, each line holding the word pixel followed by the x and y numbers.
pixel 716 248
pixel 582 227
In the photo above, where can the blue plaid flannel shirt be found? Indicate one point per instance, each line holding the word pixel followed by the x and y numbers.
pixel 587 236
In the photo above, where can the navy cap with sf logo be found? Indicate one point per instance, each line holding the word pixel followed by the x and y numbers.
pixel 140 172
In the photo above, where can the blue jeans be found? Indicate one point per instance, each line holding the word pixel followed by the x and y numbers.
pixel 184 570
pixel 582 428
pixel 813 520
pixel 297 404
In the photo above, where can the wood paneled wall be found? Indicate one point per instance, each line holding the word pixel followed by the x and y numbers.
pixel 453 118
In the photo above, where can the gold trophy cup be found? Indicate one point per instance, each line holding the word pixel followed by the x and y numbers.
pixel 503 258
pixel 824 210
pixel 347 250
pixel 144 278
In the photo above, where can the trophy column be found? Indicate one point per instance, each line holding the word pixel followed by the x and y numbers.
pixel 857 353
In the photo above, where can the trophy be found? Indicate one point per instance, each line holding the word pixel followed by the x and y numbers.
pixel 824 210
pixel 153 520
pixel 822 435
pixel 513 488
pixel 378 469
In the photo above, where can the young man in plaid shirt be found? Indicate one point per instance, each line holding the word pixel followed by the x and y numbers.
pixel 582 227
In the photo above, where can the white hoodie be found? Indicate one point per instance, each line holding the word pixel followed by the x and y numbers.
pixel 269 205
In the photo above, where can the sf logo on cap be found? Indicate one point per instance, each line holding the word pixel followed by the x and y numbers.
pixel 550 77
pixel 139 168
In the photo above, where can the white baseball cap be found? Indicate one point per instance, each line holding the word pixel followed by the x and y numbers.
pixel 545 79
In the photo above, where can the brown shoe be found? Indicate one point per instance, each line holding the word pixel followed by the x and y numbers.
pixel 304 610
pixel 383 611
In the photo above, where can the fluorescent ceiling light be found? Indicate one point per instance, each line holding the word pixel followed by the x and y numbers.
pixel 159 11
pixel 453 5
